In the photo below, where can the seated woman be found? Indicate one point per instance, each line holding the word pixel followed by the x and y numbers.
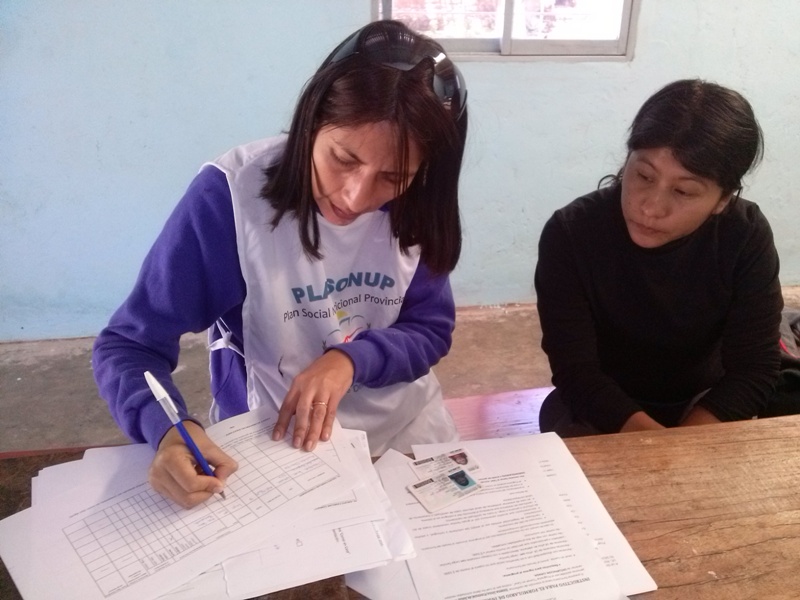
pixel 658 294
pixel 319 262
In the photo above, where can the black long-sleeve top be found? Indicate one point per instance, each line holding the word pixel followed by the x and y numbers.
pixel 627 328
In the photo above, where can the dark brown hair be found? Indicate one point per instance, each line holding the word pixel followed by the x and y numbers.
pixel 377 82
pixel 711 130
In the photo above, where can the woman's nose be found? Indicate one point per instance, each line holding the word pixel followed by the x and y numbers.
pixel 358 194
pixel 655 204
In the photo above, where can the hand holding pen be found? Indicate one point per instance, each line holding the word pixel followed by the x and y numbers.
pixel 184 450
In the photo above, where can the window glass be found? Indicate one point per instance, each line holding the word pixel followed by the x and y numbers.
pixel 524 27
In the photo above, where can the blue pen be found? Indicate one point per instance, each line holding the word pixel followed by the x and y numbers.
pixel 169 407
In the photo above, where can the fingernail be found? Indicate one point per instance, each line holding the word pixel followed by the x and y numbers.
pixel 218 489
pixel 298 441
pixel 325 436
pixel 276 435
pixel 309 446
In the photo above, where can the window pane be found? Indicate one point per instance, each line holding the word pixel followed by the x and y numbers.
pixel 536 27
pixel 471 19
pixel 567 19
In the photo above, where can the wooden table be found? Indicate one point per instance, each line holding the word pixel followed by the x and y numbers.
pixel 713 512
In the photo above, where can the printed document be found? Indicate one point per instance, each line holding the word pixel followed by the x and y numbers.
pixel 513 538
pixel 550 457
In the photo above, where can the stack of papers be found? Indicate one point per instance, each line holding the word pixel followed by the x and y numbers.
pixel 535 530
pixel 96 529
pixel 532 527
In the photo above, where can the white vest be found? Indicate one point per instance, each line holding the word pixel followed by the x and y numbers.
pixel 297 307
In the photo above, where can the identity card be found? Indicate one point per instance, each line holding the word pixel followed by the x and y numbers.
pixel 427 467
pixel 442 490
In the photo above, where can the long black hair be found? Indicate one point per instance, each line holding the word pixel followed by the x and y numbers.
pixel 710 129
pixel 384 72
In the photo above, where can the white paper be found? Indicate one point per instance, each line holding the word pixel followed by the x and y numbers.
pixel 374 539
pixel 314 553
pixel 123 540
pixel 209 585
pixel 551 457
pixel 96 467
pixel 512 538
pixel 392 581
pixel 63 476
pixel 118 459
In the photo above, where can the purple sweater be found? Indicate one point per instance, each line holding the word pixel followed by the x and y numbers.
pixel 191 277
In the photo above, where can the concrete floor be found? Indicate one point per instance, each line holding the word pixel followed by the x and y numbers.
pixel 48 398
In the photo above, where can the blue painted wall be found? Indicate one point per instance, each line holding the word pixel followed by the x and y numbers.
pixel 107 109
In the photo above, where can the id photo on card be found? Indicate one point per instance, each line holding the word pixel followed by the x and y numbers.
pixel 444 463
pixel 462 479
pixel 460 458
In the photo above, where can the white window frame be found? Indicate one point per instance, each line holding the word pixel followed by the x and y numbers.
pixel 507 48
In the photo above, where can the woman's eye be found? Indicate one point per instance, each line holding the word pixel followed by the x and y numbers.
pixel 345 162
pixel 644 177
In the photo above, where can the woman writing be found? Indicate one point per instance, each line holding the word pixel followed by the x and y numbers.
pixel 317 260
pixel 659 295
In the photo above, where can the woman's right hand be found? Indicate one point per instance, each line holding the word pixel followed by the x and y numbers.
pixel 175 474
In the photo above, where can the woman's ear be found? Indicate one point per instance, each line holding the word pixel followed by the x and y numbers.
pixel 722 204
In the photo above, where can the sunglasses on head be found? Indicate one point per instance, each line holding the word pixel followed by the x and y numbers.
pixel 391 43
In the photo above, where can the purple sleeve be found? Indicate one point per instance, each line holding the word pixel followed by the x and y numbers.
pixel 190 277
pixel 419 338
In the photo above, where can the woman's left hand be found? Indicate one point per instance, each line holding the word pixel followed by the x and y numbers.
pixel 313 398
pixel 699 416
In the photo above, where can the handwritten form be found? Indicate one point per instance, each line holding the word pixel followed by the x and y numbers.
pixel 117 538
pixel 331 546
pixel 357 530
